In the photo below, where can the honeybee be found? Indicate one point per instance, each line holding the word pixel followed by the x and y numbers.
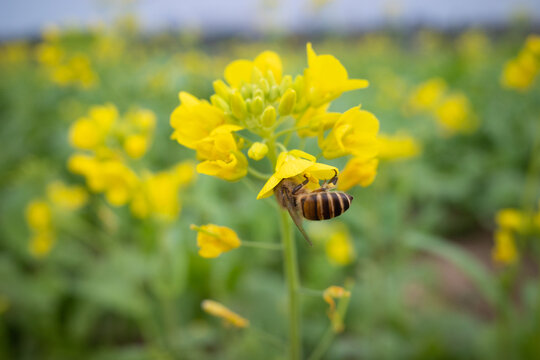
pixel 320 204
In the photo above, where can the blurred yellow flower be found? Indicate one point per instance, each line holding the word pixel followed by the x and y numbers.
pixel 41 244
pixel 241 71
pixel 85 134
pixel 296 163
pixel 213 240
pixel 194 120
pixel 428 94
pixel 135 145
pixel 398 146
pixel 39 215
pixel 520 72
pixel 216 309
pixel 339 248
pixel 510 219
pixel 358 171
pixel 257 151
pixel 66 197
pixel 355 132
pixel 454 114
pixel 504 251
pixel 326 78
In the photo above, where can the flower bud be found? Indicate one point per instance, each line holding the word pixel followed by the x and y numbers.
pixel 257 151
pixel 274 93
pixel 258 93
pixel 285 83
pixel 265 86
pixel 222 89
pixel 288 100
pixel 218 102
pixel 246 91
pixel 238 105
pixel 257 105
pixel 269 116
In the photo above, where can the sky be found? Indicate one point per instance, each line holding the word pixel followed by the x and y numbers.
pixel 28 17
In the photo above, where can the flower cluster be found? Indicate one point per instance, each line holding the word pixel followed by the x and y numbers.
pixel 520 72
pixel 452 110
pixel 257 108
pixel 513 224
pixel 107 145
pixel 62 68
pixel 40 214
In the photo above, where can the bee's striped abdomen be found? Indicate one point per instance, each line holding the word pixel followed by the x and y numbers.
pixel 324 205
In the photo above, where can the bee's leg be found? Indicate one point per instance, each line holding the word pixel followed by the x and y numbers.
pixel 299 186
pixel 334 180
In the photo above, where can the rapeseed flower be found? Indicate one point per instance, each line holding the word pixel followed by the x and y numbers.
pixel 67 197
pixel 329 295
pixel 520 72
pixel 504 251
pixel 296 164
pixel 358 171
pixel 326 78
pixel 213 240
pixel 231 318
pixel 39 215
pixel 355 132
pixel 340 249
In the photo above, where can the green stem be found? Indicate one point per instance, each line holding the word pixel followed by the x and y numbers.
pixel 533 172
pixel 293 286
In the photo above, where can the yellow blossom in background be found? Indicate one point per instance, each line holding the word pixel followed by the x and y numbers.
pixel 216 309
pixel 355 132
pixel 66 197
pixel 49 54
pixel 358 172
pixel 14 52
pixel 194 120
pixel 398 146
pixel 87 133
pixel 135 145
pixel 158 193
pixel 213 240
pixel 41 244
pixel 504 251
pixel 427 95
pixel 39 215
pixel 454 114
pixel 326 78
pixel 520 72
pixel 510 219
pixel 296 163
pixel 257 151
pixel 340 249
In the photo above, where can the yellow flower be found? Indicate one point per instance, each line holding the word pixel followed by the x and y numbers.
pixel 339 248
pixel 358 172
pixel 331 293
pixel 428 94
pixel 257 151
pixel 454 114
pixel 194 120
pixel 85 134
pixel 326 79
pixel 505 251
pixel 49 54
pixel 355 132
pixel 241 71
pixel 398 146
pixel 314 119
pixel 515 76
pixel 104 115
pixel 296 163
pixel 119 182
pixel 41 244
pixel 67 197
pixel 214 240
pixel 532 44
pixel 216 309
pixel 510 219
pixel 39 215
pixel 135 145
pixel 158 193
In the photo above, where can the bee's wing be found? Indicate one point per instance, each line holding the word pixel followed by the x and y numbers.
pixel 297 219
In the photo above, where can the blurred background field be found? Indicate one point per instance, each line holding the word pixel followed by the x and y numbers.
pixel 417 248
